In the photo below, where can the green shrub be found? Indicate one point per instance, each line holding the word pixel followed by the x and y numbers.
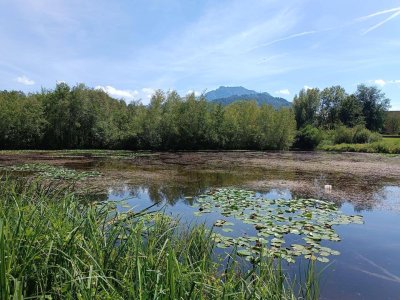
pixel 308 138
pixel 376 147
pixel 375 137
pixel 361 135
pixel 343 135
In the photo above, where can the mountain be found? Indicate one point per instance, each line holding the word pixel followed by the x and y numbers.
pixel 226 95
pixel 228 91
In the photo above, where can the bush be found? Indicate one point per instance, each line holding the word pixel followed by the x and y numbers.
pixel 361 135
pixel 376 147
pixel 308 138
pixel 356 135
pixel 343 135
pixel 375 137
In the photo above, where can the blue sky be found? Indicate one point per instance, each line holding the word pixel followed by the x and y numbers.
pixel 130 48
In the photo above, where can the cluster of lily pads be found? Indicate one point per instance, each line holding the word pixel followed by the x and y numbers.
pixel 274 220
pixel 52 172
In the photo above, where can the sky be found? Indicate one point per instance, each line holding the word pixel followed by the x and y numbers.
pixel 129 48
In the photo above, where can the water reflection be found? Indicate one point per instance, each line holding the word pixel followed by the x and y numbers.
pixel 369 264
pixel 364 195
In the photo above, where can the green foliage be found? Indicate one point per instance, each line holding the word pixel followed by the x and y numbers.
pixel 361 136
pixel 81 117
pixel 383 146
pixel 330 107
pixel 356 135
pixel 343 134
pixel 374 106
pixel 392 122
pixel 306 106
pixel 333 106
pixel 308 138
pixel 22 122
pixel 54 246
pixel 350 112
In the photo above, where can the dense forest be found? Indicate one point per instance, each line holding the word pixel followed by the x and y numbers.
pixel 82 117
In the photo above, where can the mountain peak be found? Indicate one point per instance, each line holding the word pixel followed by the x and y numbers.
pixel 228 91
pixel 226 95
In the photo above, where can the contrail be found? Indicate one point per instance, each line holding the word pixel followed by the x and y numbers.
pixel 383 22
pixel 289 37
pixel 379 13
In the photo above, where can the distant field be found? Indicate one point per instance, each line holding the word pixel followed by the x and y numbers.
pixel 391 140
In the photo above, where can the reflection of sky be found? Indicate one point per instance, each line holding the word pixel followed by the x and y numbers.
pixel 369 264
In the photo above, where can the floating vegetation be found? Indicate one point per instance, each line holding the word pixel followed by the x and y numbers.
pixel 101 153
pixel 274 222
pixel 52 172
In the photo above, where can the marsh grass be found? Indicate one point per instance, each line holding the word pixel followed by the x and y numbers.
pixel 54 245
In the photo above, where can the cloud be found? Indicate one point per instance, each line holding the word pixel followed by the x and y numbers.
pixel 148 92
pixel 196 93
pixel 283 92
pixel 25 80
pixel 113 92
pixel 380 82
pixel 392 16
pixel 289 37
pixel 306 87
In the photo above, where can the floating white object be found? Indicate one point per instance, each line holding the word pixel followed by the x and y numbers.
pixel 328 188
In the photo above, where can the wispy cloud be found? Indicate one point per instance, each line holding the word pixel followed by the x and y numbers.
pixel 394 12
pixel 289 37
pixel 382 82
pixel 114 92
pixel 307 87
pixel 25 80
pixel 283 92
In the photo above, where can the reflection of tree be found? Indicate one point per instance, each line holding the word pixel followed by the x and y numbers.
pixel 363 193
pixel 172 191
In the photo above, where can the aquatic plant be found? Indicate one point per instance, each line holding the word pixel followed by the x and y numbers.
pixel 52 172
pixel 274 222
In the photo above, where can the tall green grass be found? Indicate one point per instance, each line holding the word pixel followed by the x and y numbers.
pixel 54 245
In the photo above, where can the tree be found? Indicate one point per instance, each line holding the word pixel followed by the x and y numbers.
pixel 350 112
pixel 392 122
pixel 306 107
pixel 374 106
pixel 152 138
pixel 331 100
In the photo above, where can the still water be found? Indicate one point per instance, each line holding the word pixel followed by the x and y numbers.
pixel 369 264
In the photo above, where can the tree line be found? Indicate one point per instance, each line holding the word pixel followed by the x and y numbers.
pixel 82 117
pixel 332 107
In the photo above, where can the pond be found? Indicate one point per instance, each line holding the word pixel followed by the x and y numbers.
pixel 368 266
